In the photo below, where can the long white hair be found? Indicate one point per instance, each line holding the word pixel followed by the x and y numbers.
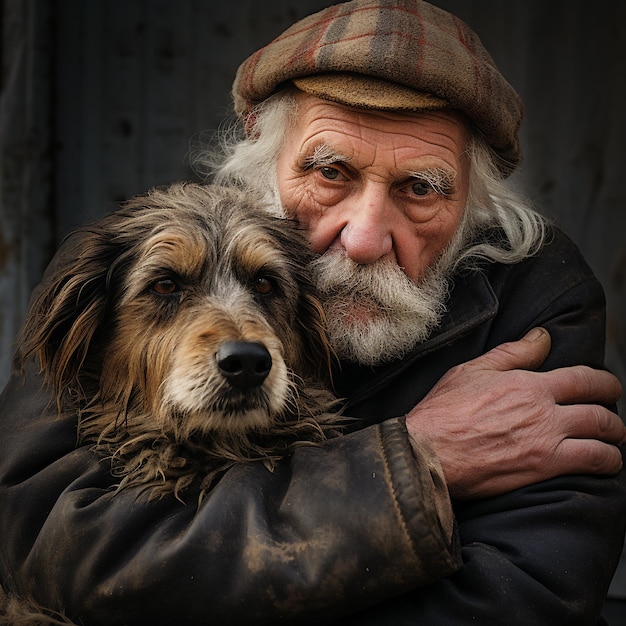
pixel 500 224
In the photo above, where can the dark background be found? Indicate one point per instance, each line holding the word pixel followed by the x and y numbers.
pixel 99 100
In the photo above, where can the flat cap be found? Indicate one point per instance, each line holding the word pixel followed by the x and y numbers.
pixel 401 55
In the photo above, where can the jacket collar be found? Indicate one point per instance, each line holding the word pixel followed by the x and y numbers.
pixel 472 302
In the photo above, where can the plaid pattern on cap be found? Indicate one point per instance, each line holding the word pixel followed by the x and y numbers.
pixel 405 42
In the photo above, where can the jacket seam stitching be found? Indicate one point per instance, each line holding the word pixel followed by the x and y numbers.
pixel 392 489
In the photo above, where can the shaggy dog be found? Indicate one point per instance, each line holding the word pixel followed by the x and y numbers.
pixel 185 331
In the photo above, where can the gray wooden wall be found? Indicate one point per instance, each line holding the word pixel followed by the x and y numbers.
pixel 100 98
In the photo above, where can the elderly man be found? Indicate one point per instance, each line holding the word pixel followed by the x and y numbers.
pixel 474 488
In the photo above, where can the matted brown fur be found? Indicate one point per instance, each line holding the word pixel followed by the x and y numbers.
pixel 128 326
pixel 16 611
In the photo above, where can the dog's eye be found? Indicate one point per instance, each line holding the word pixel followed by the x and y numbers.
pixel 263 285
pixel 165 287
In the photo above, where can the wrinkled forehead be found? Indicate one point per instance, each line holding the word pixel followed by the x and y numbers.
pixel 356 135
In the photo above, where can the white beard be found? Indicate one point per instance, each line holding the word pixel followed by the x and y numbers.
pixel 375 312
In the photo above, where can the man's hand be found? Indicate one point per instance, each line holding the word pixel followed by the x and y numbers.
pixel 496 426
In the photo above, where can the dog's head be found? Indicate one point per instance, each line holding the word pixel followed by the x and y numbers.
pixel 190 304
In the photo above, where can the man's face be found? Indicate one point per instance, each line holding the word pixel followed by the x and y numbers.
pixel 378 185
pixel 382 196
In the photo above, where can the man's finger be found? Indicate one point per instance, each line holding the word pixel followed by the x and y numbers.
pixel 571 385
pixel 527 354
pixel 587 456
pixel 591 421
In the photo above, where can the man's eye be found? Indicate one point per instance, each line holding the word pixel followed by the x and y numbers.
pixel 165 287
pixel 263 286
pixel 329 173
pixel 421 188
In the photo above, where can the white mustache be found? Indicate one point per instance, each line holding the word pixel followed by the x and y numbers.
pixel 375 312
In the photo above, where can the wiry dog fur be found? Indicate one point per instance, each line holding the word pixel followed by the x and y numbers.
pixel 186 331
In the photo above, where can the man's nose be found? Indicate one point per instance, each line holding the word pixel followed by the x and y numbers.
pixel 366 236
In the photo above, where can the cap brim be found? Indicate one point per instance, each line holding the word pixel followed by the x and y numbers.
pixel 367 92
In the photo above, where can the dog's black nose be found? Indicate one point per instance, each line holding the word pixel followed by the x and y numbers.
pixel 244 364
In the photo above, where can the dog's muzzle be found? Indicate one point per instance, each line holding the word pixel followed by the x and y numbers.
pixel 244 364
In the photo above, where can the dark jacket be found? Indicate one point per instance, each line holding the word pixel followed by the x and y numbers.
pixel 352 527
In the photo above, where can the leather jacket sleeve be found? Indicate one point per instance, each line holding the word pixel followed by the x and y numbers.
pixel 332 529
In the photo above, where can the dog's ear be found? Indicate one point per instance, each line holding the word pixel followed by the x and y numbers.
pixel 67 310
pixel 317 355
pixel 316 358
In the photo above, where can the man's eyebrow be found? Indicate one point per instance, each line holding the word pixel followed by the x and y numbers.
pixel 439 178
pixel 324 154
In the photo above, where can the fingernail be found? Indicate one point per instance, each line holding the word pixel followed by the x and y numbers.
pixel 535 334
